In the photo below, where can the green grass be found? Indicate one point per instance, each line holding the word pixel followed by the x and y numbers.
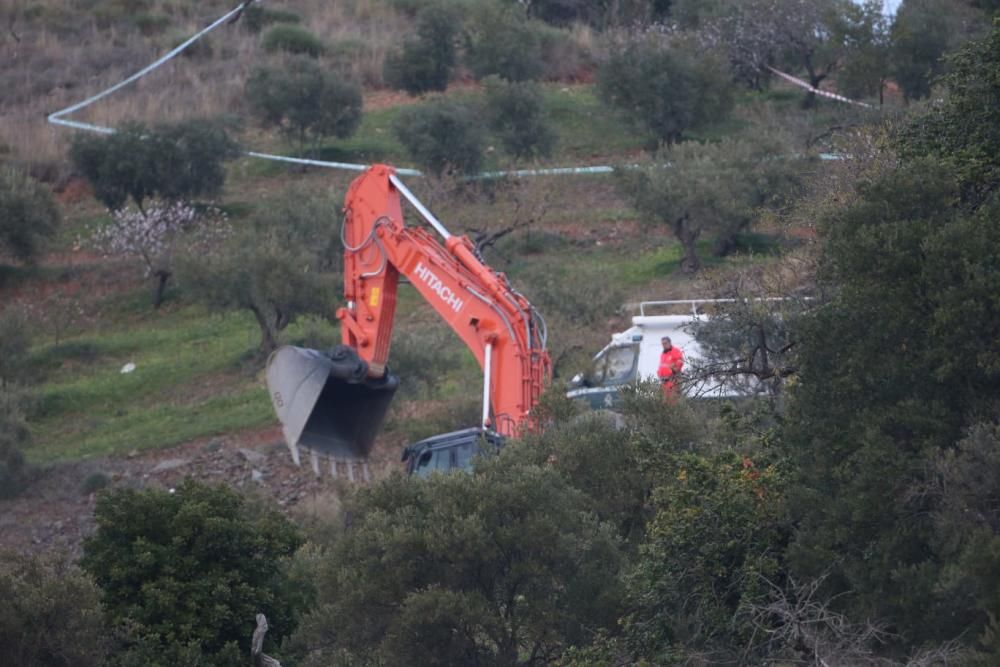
pixel 87 407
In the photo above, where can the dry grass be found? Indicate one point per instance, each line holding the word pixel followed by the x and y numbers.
pixel 57 53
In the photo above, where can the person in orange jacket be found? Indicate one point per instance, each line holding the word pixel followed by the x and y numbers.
pixel 671 363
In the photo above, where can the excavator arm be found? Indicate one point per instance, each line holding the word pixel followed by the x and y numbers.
pixel 343 402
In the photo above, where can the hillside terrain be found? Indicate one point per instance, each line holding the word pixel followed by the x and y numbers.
pixel 146 275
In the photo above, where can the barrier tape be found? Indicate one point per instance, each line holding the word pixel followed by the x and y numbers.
pixel 811 88
pixel 57 118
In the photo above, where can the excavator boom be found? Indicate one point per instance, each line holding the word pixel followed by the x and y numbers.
pixel 332 404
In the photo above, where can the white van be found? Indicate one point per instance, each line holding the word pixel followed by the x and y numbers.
pixel 633 355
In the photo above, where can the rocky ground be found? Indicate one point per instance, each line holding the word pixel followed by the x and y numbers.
pixel 56 511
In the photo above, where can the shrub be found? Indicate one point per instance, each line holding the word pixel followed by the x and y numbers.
pixel 666 89
pixel 28 214
pixel 51 615
pixel 434 572
pixel 292 39
pixel 426 61
pixel 194 572
pixel 94 483
pixel 442 136
pixel 177 161
pixel 304 101
pixel 255 17
pixel 517 117
pixel 150 24
pixel 502 41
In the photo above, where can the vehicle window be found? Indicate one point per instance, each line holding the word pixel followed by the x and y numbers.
pixel 439 459
pixel 615 365
pixel 463 456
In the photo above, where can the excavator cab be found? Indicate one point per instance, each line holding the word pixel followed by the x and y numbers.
pixel 450 451
pixel 326 402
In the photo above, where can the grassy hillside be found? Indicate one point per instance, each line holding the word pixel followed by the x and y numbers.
pixel 196 373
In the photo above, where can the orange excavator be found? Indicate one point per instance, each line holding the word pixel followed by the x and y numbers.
pixel 332 403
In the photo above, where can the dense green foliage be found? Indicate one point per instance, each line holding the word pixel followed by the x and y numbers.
pixel 304 101
pixel 185 572
pixel 426 60
pixel 178 161
pixel 873 412
pixel 921 34
pixel 711 189
pixel 292 39
pixel 517 118
pixel 443 136
pixel 501 41
pixel 666 90
pixel 504 567
pixel 51 616
pixel 273 265
pixel 28 214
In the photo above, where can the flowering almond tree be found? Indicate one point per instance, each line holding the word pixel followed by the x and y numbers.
pixel 158 234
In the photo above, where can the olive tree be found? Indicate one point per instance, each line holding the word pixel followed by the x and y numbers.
pixel 665 89
pixel 517 117
pixel 443 136
pixel 304 101
pixel 709 189
pixel 28 214
pixel 426 60
pixel 280 263
pixel 174 161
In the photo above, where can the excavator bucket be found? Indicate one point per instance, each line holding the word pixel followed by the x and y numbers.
pixel 326 402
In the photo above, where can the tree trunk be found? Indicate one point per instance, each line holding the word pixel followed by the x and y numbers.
pixel 257 643
pixel 687 237
pixel 160 277
pixel 268 344
pixel 724 245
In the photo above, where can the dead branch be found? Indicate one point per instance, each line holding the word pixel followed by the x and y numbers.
pixel 256 645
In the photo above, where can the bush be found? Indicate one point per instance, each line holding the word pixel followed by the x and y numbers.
pixel 442 136
pixel 28 215
pixel 304 101
pixel 434 572
pixel 517 117
pixel 292 39
pixel 177 161
pixel 502 41
pixel 95 482
pixel 51 615
pixel 426 61
pixel 715 540
pixel 255 17
pixel 194 572
pixel 666 90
